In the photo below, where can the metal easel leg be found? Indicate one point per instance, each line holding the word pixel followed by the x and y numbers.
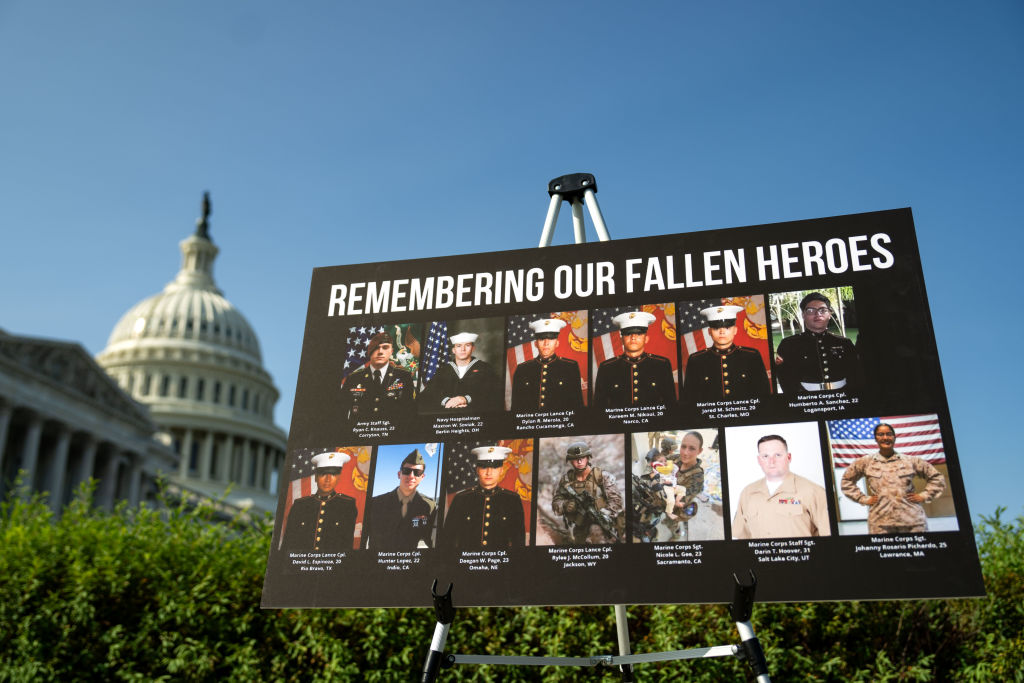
pixel 622 630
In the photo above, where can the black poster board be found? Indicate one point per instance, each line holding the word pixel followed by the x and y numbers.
pixel 810 537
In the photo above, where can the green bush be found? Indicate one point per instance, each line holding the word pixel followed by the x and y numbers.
pixel 170 594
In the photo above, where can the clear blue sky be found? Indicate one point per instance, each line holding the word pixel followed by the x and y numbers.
pixel 340 132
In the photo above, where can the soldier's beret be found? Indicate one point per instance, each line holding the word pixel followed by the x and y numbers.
pixel 378 339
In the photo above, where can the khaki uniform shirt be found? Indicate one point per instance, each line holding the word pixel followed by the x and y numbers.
pixel 891 479
pixel 797 508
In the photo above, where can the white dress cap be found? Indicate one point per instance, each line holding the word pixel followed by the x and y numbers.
pixel 632 319
pixel 331 459
pixel 464 338
pixel 491 453
pixel 547 326
pixel 721 313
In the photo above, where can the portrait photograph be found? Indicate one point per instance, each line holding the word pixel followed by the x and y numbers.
pixel 814 337
pixel 635 356
pixel 676 483
pixel 461 367
pixel 581 490
pixel 402 512
pixel 546 362
pixel 487 492
pixel 776 482
pixel 890 475
pixel 723 347
pixel 380 370
pixel 325 500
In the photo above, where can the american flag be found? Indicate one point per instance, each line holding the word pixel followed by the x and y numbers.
pixel 607 342
pixel 460 470
pixel 356 344
pixel 520 346
pixel 916 435
pixel 695 334
pixel 352 481
pixel 661 334
pixel 436 351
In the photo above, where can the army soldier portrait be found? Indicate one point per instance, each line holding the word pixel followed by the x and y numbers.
pixel 816 359
pixel 325 521
pixel 782 504
pixel 380 389
pixel 724 371
pixel 636 377
pixel 464 383
pixel 894 507
pixel 403 518
pixel 588 499
pixel 485 516
pixel 547 381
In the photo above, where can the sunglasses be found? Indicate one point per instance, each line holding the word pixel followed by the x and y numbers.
pixel 416 473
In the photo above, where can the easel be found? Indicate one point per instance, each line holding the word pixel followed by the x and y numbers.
pixel 579 189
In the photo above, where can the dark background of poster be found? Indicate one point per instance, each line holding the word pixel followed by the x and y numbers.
pixel 903 376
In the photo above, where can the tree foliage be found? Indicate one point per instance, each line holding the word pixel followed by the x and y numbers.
pixel 169 594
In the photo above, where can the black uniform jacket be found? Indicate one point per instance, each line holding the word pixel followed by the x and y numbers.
pixel 551 383
pixel 645 380
pixel 484 519
pixel 817 362
pixel 733 374
pixel 364 398
pixel 390 531
pixel 323 525
pixel 480 383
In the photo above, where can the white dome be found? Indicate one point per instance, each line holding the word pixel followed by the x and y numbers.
pixel 185 313
pixel 194 360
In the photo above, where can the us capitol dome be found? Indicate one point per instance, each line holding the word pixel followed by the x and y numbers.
pixel 190 356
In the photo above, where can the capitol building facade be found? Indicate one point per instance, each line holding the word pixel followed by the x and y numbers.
pixel 184 385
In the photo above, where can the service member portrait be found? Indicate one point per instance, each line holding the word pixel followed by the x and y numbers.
pixel 776 481
pixel 325 520
pixel 676 486
pixel 403 516
pixel 486 515
pixel 629 370
pixel 379 389
pixel 581 490
pixel 892 475
pixel 724 370
pixel 544 380
pixel 815 334
pixel 458 371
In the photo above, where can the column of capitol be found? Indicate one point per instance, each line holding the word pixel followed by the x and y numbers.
pixel 190 356
pixel 63 420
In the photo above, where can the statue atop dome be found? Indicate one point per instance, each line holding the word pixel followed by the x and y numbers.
pixel 203 224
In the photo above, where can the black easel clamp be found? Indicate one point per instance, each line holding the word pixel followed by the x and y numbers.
pixel 445 612
pixel 741 609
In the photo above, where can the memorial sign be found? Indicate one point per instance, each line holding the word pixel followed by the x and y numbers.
pixel 626 422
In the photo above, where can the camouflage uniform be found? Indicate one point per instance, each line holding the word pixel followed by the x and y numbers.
pixel 891 479
pixel 693 479
pixel 600 486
